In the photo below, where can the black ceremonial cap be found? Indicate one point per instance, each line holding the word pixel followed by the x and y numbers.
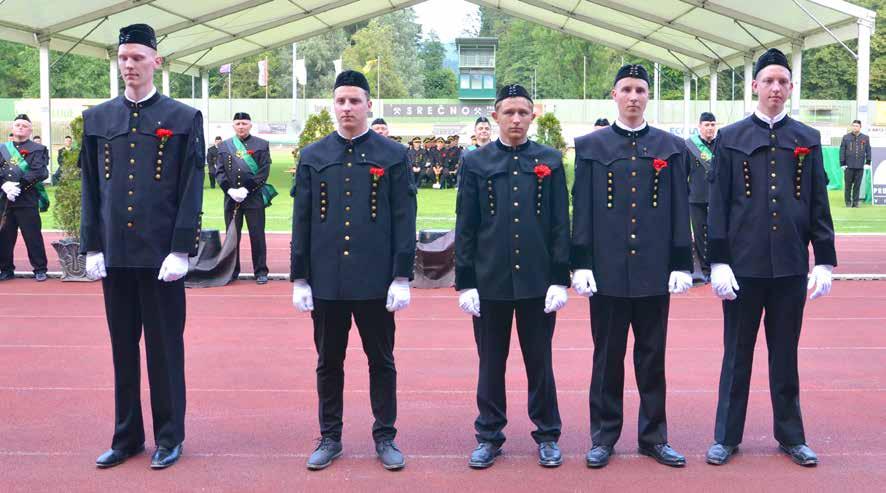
pixel 142 34
pixel 772 56
pixel 513 91
pixel 379 121
pixel 601 122
pixel 240 115
pixel 351 78
pixel 634 71
pixel 707 116
pixel 22 117
pixel 481 119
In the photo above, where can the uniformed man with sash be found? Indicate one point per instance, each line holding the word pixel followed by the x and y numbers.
pixel 512 258
pixel 701 147
pixel 630 252
pixel 353 248
pixel 142 162
pixel 768 203
pixel 24 167
pixel 244 163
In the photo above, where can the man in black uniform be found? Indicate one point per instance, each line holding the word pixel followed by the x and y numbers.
pixel 630 233
pixel 453 160
pixel 380 126
pixel 212 160
pixel 60 158
pixel 768 201
pixel 855 157
pixel 416 155
pixel 24 169
pixel 601 123
pixel 244 163
pixel 353 248
pixel 512 255
pixel 701 148
pixel 436 173
pixel 142 177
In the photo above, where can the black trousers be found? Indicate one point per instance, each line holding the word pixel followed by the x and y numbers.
pixel 852 178
pixel 28 220
pixel 610 319
pixel 255 221
pixel 698 215
pixel 332 322
pixel 782 300
pixel 134 299
pixel 535 329
pixel 210 172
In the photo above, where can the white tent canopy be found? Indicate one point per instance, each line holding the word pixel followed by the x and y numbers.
pixel 698 37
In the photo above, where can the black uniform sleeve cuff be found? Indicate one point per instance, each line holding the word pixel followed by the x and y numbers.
pixel 89 242
pixel 465 278
pixel 560 275
pixel 825 254
pixel 404 265
pixel 718 252
pixel 681 259
pixel 183 240
pixel 581 258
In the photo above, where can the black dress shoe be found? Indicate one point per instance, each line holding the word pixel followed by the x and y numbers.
pixel 262 279
pixel 720 454
pixel 327 451
pixel 389 455
pixel 40 276
pixel 165 457
pixel 663 454
pixel 113 457
pixel 598 456
pixel 549 454
pixel 7 275
pixel 800 454
pixel 484 455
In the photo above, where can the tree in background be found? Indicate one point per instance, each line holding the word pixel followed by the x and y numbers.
pixel 317 126
pixel 405 42
pixel 439 81
pixel 319 53
pixel 549 132
pixel 369 44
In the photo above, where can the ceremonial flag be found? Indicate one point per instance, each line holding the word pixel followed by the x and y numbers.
pixel 225 69
pixel 263 73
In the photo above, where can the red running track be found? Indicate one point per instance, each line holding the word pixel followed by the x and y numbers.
pixel 252 419
pixel 862 254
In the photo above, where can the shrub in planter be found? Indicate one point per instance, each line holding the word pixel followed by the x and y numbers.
pixel 66 211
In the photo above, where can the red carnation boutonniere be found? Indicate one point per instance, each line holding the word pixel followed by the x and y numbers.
pixel 24 152
pixel 659 164
pixel 376 173
pixel 541 171
pixel 801 153
pixel 164 134
pixel 250 152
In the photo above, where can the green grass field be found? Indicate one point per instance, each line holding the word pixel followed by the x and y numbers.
pixel 436 208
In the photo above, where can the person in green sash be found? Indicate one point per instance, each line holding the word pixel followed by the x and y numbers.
pixel 244 163
pixel 701 147
pixel 24 169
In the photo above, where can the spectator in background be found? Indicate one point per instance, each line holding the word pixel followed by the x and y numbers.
pixel 37 139
pixel 60 159
pixel 601 123
pixel 380 126
pixel 855 157
pixel 212 160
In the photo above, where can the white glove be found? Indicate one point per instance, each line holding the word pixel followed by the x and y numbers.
pixel 238 194
pixel 556 298
pixel 820 277
pixel 843 167
pixel 680 282
pixel 469 302
pixel 302 298
pixel 867 166
pixel 583 282
pixel 95 265
pixel 398 295
pixel 723 282
pixel 174 267
pixel 12 190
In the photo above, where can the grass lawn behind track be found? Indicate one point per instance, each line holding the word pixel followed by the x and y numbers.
pixel 436 208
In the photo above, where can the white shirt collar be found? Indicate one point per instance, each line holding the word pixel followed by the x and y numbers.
pixel 771 121
pixel 149 96
pixel 629 129
pixel 354 137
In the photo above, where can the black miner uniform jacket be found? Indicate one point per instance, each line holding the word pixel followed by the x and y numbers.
pixel 855 151
pixel 512 227
pixel 631 224
pixel 141 197
pixel 353 233
pixel 700 173
pixel 38 158
pixel 233 172
pixel 766 206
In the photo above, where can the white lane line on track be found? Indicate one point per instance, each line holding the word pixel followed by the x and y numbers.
pixel 417 392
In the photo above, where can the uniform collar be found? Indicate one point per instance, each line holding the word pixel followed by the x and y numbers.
pixel 625 131
pixel 771 122
pixel 244 139
pixel 501 145
pixel 148 100
pixel 356 139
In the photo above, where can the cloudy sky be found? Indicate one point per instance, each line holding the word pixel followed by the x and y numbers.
pixel 446 17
